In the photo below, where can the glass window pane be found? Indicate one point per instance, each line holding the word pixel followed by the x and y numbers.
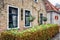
pixel 27 15
pixel 13 17
pixel 27 22
pixel 14 21
pixel 13 11
pixel 41 20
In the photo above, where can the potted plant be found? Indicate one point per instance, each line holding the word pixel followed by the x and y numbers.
pixel 44 19
pixel 31 18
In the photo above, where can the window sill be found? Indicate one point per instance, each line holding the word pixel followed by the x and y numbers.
pixel 13 28
pixel 27 27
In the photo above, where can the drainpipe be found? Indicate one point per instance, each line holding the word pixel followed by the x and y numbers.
pixel 51 17
pixel 38 18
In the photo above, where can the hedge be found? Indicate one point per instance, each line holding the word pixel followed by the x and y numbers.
pixel 42 32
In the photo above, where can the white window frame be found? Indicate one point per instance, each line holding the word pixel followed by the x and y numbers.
pixel 8 17
pixel 24 18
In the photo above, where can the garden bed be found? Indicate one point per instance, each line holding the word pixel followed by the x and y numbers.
pixel 42 32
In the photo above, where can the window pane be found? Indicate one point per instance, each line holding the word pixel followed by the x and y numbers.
pixel 36 0
pixel 13 17
pixel 14 21
pixel 27 15
pixel 13 11
pixel 27 22
pixel 41 20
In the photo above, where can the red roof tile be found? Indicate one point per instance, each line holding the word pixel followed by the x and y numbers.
pixel 49 6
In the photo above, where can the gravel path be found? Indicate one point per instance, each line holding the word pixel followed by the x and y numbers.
pixel 57 37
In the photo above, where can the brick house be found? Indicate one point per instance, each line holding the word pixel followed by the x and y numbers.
pixel 14 13
pixel 53 14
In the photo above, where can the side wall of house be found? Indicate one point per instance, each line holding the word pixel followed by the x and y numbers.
pixel 53 19
pixel 48 17
pixel 26 5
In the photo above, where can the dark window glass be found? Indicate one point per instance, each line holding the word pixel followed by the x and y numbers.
pixel 13 17
pixel 36 0
pixel 27 15
pixel 41 20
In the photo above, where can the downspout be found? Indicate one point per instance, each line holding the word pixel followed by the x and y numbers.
pixel 51 17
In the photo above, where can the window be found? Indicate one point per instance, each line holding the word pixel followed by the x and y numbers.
pixel 41 18
pixel 56 17
pixel 27 15
pixel 13 17
pixel 36 0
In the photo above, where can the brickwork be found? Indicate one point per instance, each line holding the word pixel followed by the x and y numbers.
pixel 30 5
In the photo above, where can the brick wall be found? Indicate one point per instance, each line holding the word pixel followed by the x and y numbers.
pixel 26 5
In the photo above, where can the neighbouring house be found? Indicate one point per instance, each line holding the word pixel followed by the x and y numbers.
pixel 14 14
pixel 53 14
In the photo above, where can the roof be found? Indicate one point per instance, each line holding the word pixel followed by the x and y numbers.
pixel 49 6
pixel 58 8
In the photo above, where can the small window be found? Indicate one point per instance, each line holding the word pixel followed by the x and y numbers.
pixel 27 15
pixel 56 17
pixel 36 0
pixel 41 18
pixel 13 17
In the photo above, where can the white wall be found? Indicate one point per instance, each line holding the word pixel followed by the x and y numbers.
pixel 59 19
pixel 53 18
pixel 48 17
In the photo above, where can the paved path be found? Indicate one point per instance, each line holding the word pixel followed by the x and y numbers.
pixel 57 37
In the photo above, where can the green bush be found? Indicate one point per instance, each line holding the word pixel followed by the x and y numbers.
pixel 0 35
pixel 42 32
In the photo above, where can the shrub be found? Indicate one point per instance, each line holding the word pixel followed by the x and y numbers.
pixel 42 32
pixel 0 35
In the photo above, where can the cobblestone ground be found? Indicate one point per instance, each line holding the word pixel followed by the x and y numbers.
pixel 57 37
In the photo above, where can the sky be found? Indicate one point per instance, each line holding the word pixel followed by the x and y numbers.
pixel 55 1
